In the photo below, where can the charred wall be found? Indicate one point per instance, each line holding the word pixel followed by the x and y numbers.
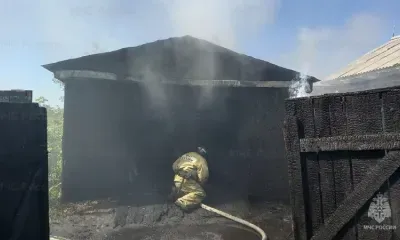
pixel 23 172
pixel 98 129
pixel 109 125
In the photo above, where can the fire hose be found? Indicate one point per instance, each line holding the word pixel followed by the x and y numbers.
pixel 221 213
pixel 58 238
pixel 236 219
pixel 231 217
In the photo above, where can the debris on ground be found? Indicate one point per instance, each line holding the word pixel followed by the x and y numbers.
pixel 97 220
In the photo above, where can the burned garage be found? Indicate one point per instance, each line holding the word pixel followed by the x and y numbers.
pixel 129 114
pixel 133 111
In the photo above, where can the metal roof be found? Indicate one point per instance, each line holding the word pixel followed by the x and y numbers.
pixel 180 58
pixel 382 78
pixel 385 56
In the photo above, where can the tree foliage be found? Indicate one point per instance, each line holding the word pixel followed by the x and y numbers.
pixel 55 119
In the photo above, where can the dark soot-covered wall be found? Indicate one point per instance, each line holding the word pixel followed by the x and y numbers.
pixel 23 172
pixel 109 124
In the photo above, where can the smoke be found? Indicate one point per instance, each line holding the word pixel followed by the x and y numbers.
pixel 206 97
pixel 223 22
pixel 324 50
pixel 298 86
pixel 69 29
pixel 75 25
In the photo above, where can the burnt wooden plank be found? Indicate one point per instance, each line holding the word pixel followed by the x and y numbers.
pixel 292 146
pixel 327 178
pixel 309 113
pixel 290 108
pixel 361 163
pixel 321 117
pixel 363 114
pixel 391 111
pixel 343 186
pixel 395 203
pixel 312 188
pixel 363 191
pixel 385 233
pixel 305 115
pixel 338 121
pixel 341 162
pixel 387 141
pixel 324 192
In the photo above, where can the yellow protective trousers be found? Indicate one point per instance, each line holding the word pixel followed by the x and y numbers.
pixel 191 193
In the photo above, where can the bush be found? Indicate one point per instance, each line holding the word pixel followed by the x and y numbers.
pixel 55 119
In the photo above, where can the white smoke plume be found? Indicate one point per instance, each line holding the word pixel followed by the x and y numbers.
pixel 223 22
pixel 298 87
pixel 324 50
pixel 59 30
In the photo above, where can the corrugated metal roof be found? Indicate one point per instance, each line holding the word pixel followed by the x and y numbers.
pixel 387 55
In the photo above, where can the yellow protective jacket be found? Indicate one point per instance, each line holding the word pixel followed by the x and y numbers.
pixel 191 161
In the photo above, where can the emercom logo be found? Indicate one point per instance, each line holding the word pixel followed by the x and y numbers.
pixel 379 210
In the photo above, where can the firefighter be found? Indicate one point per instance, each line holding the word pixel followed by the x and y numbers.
pixel 191 173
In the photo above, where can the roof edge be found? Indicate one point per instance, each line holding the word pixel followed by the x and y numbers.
pixel 395 37
pixel 356 61
pixel 380 70
pixel 46 66
pixel 64 75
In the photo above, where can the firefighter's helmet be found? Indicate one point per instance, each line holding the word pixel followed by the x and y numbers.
pixel 201 150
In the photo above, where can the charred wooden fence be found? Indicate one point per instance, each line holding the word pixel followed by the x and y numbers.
pixel 343 152
pixel 23 171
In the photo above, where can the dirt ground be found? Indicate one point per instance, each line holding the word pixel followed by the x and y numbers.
pixel 95 220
